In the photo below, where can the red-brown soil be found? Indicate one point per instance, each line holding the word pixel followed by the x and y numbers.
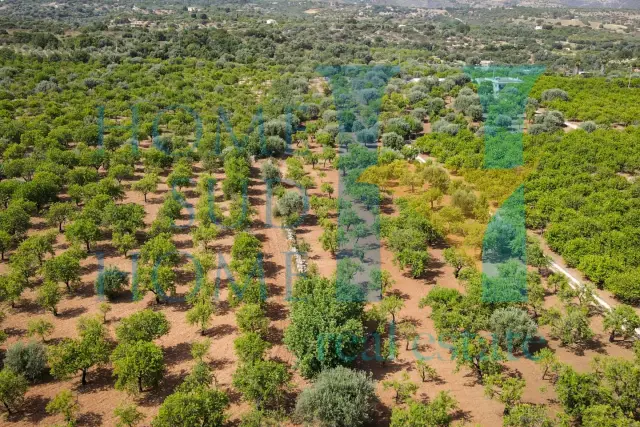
pixel 98 398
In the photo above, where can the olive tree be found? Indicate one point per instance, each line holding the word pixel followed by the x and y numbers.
pixel 392 140
pixel 338 397
pixel 512 328
pixel 553 94
pixel 27 359
pixel 290 205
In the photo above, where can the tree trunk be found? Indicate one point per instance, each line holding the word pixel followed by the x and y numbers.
pixel 145 197
pixel 60 227
pixel 88 247
pixel 7 407
pixel 476 364
pixel 55 311
pixel 140 384
pixel 84 376
pixel 612 336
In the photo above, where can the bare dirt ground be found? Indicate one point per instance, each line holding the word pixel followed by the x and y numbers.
pixel 98 398
pixel 463 387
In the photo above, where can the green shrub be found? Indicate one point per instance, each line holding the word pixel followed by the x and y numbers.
pixel 111 281
pixel 28 359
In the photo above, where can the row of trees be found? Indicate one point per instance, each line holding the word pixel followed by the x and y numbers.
pixel 576 178
pixel 137 362
pixel 604 101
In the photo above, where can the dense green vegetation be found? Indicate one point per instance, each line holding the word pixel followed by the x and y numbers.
pixel 571 195
pixel 147 134
pixel 605 101
pixel 573 181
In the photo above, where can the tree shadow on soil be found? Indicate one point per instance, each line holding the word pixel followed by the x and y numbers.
pixel 276 311
pixel 90 419
pixel 72 312
pixel 100 379
pixel 177 353
pixel 32 411
pixel 157 395
pixel 220 330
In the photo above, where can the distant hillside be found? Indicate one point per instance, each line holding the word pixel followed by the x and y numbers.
pixel 608 4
